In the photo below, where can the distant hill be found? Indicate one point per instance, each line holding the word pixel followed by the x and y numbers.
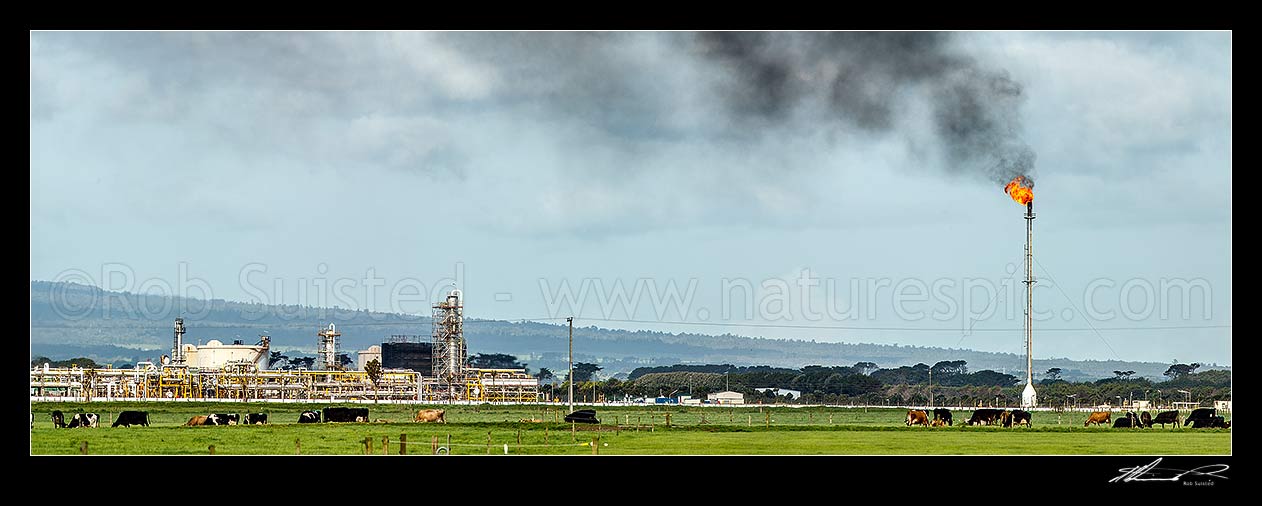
pixel 126 327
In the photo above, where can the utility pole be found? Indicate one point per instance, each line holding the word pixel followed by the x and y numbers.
pixel 571 321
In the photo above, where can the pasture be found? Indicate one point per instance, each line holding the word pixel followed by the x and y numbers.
pixel 625 430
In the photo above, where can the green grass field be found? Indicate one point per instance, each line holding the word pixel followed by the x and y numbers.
pixel 632 430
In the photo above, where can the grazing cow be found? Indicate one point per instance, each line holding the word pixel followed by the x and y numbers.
pixel 1200 414
pixel 431 415
pixel 1005 418
pixel 1145 420
pixel 197 420
pixel 1098 418
pixel 129 418
pixel 256 418
pixel 1165 417
pixel 84 420
pixel 1214 422
pixel 985 416
pixel 59 420
pixel 345 415
pixel 917 417
pixel 309 417
pixel 1021 417
pixel 1129 421
pixel 942 414
pixel 222 419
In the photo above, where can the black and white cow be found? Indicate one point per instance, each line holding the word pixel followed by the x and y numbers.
pixel 59 420
pixel 255 418
pixel 345 414
pixel 129 418
pixel 222 419
pixel 309 417
pixel 84 420
pixel 1021 417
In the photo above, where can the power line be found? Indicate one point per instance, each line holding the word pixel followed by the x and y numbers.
pixel 992 301
pixel 1075 306
pixel 669 322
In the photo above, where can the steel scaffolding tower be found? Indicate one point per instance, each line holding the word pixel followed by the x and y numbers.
pixel 449 346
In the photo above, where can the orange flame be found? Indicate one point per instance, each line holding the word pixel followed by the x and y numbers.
pixel 1021 189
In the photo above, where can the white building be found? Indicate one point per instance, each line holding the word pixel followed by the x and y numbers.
pixel 365 356
pixel 727 397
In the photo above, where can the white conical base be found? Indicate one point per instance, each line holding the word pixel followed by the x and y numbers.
pixel 1028 398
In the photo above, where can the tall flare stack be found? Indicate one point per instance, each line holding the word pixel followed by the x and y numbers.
pixel 1028 398
pixel 1021 189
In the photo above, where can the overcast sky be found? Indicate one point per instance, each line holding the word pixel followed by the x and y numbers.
pixel 523 163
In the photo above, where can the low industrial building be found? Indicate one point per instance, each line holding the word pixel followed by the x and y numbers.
pixel 726 397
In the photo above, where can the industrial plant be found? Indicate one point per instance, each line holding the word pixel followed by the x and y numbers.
pixel 411 370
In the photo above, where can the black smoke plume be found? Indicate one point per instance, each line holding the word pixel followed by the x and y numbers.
pixel 862 78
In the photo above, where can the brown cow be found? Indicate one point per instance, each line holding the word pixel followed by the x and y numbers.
pixel 197 420
pixel 1098 417
pixel 431 415
pixel 917 417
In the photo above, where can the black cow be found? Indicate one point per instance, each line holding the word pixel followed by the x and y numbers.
pixel 129 418
pixel 582 416
pixel 345 415
pixel 309 417
pixel 255 418
pixel 1145 420
pixel 59 420
pixel 942 414
pixel 1165 417
pixel 1200 414
pixel 84 420
pixel 1213 422
pixel 222 419
pixel 1129 421
pixel 985 416
pixel 1021 417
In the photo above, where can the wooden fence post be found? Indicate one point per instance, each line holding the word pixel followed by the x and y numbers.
pixel 750 421
pixel 488 442
pixel 385 445
pixel 83 448
pixel 519 436
pixel 768 416
pixel 212 449
pixel 403 444
pixel 297 446
pixel 594 450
